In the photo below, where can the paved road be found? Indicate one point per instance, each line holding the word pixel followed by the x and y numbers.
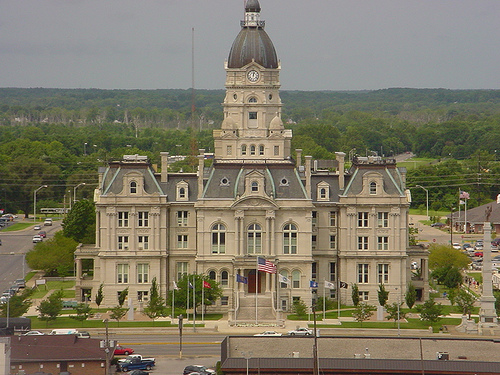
pixel 14 246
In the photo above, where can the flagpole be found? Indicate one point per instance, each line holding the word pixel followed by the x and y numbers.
pixel 324 303
pixel 187 299
pixel 465 217
pixel 338 296
pixel 173 302
pixel 194 304
pixel 256 290
pixel 203 301
pixel 278 287
pixel 459 199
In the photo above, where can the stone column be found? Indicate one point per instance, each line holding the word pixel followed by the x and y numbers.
pixel 487 313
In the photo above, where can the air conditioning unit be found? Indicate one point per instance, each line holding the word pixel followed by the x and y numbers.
pixel 443 356
pixel 295 354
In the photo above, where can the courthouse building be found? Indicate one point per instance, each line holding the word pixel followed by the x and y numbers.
pixel 315 220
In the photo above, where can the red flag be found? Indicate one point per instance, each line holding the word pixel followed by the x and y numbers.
pixel 206 285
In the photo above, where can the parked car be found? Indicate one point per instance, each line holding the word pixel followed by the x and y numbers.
pixel 478 254
pixel 135 363
pixel 301 332
pixel 37 227
pixel 42 234
pixel 20 283
pixel 456 246
pixel 438 225
pixel 120 350
pixel 33 333
pixel 37 238
pixel 268 333
pixel 203 370
pixel 83 335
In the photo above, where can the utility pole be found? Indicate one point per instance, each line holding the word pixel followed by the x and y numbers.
pixel 315 346
pixel 180 317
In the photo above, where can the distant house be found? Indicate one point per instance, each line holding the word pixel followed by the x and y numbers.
pixel 475 218
pixel 56 354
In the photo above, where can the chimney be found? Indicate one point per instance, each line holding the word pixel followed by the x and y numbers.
pixel 164 166
pixel 341 161
pixel 308 176
pixel 201 167
pixel 298 162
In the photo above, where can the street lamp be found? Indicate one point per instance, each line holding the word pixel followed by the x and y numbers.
pixel 399 303
pixel 85 148
pixel 74 191
pixel 247 356
pixel 34 201
pixel 426 199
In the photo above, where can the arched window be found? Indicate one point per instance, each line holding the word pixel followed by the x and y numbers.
pixel 261 150
pixel 243 149
pixel 296 279
pixel 373 188
pixel 212 275
pixel 322 193
pixel 289 239
pixel 218 239
pixel 253 99
pixel 285 278
pixel 133 187
pixel 255 186
pixel 224 278
pixel 254 239
pixel 182 192
pixel 252 150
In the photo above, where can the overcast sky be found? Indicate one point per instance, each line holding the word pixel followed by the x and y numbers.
pixel 322 44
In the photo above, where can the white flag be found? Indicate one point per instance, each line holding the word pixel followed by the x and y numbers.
pixel 283 279
pixel 329 285
pixel 175 286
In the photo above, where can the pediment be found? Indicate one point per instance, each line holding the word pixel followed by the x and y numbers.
pixel 228 135
pixel 252 201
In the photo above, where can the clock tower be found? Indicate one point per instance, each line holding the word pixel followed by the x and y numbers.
pixel 252 128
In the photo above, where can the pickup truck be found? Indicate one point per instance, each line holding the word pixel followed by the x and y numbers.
pixel 136 363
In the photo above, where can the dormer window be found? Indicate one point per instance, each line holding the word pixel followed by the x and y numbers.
pixel 323 191
pixel 255 186
pixel 373 188
pixel 133 187
pixel 182 191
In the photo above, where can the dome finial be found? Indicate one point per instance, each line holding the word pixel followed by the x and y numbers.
pixel 252 6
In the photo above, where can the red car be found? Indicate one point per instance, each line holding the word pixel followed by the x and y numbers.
pixel 478 254
pixel 42 234
pixel 120 350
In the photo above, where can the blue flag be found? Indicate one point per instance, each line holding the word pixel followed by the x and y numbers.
pixel 313 284
pixel 241 279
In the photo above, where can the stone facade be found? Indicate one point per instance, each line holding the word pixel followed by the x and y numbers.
pixel 315 220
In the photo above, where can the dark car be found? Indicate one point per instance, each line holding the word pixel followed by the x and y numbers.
pixel 198 369
pixel 438 225
pixel 42 234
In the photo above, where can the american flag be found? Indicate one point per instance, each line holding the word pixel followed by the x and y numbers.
pixel 265 265
pixel 464 195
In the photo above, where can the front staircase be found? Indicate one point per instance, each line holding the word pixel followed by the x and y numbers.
pixel 245 314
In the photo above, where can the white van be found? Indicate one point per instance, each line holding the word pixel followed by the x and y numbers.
pixel 63 331
pixel 47 222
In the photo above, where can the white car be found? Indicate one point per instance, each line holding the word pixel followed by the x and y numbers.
pixel 268 333
pixel 37 238
pixel 301 332
pixel 456 246
pixel 33 333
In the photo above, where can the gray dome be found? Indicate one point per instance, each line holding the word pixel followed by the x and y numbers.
pixel 252 6
pixel 252 43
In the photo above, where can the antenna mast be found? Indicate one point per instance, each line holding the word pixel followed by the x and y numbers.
pixel 192 78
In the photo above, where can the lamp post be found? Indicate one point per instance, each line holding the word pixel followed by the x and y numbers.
pixel 247 356
pixel 85 148
pixel 34 201
pixel 74 191
pixel 426 198
pixel 399 303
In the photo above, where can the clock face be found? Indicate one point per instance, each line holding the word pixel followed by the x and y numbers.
pixel 253 76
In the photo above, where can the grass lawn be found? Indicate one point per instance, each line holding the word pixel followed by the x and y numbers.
pixel 67 322
pixel 18 226
pixel 41 291
pixel 416 162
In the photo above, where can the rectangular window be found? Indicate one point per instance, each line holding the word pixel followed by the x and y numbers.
pixel 383 219
pixel 333 218
pixel 122 273
pixel 383 273
pixel 383 243
pixel 333 268
pixel 143 242
pixel 123 219
pixel 122 242
pixel 224 300
pixel 142 273
pixel 182 269
pixel 363 273
pixel 182 218
pixel 229 150
pixel 143 219
pixel 276 150
pixel 313 242
pixel 362 243
pixel 182 241
pixel 363 219
pixel 333 242
pixel 363 296
pixel 314 267
pixel 142 296
pixel 290 243
pixel 314 218
pixel 252 115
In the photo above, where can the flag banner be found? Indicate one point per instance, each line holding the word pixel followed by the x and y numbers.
pixel 329 285
pixel 175 286
pixel 206 285
pixel 190 285
pixel 283 279
pixel 241 279
pixel 464 195
pixel 265 265
pixel 343 285
pixel 313 284
pixel 498 198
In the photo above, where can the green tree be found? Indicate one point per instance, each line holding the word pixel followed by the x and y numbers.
pixel 411 295
pixel 156 305
pixel 18 304
pixel 355 294
pixel 453 278
pixel 463 299
pixel 122 297
pixel 117 313
pixel 383 295
pixel 83 311
pixel 50 308
pixel 444 256
pixel 54 256
pixel 362 312
pixel 79 224
pixel 430 311
pixel 394 312
pixel 299 308
pixel 210 294
pixel 99 296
